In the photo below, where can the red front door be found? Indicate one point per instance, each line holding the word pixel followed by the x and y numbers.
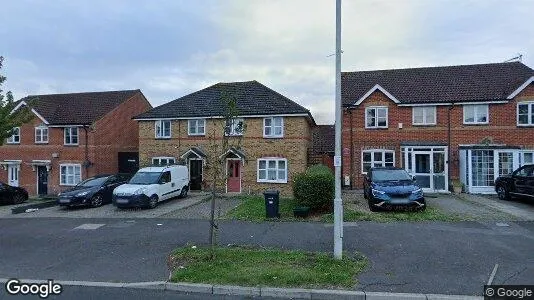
pixel 233 182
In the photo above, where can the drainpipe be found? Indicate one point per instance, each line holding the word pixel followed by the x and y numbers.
pixel 351 151
pixel 449 142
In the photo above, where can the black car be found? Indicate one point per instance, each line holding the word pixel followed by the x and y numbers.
pixel 390 187
pixel 93 192
pixel 519 184
pixel 12 194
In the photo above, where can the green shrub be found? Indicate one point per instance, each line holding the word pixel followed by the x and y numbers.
pixel 314 188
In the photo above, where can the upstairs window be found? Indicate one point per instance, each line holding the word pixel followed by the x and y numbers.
pixel 376 117
pixel 15 137
pixel 41 134
pixel 196 127
pixel 273 127
pixel 476 114
pixel 424 115
pixel 163 129
pixel 234 127
pixel 71 135
pixel 525 114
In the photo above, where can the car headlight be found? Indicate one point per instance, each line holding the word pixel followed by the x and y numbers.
pixel 140 191
pixel 377 192
pixel 418 191
pixel 82 194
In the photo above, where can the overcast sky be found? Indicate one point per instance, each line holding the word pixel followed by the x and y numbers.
pixel 171 48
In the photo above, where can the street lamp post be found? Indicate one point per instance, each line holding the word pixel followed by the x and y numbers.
pixel 338 202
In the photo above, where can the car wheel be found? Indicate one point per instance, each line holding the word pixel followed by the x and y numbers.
pixel 18 199
pixel 96 200
pixel 184 191
pixel 153 202
pixel 372 207
pixel 502 192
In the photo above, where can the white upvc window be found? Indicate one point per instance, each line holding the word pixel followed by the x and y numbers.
pixel 70 174
pixel 272 170
pixel 273 127
pixel 476 114
pixel 71 136
pixel 525 113
pixel 163 161
pixel 41 134
pixel 196 127
pixel 15 137
pixel 527 158
pixel 162 129
pixel 377 158
pixel 424 115
pixel 376 117
pixel 235 126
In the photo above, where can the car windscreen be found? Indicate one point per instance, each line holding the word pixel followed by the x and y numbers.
pixel 390 175
pixel 145 178
pixel 93 182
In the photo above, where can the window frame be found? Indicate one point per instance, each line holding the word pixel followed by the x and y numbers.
pixel 159 158
pixel 425 115
pixel 160 124
pixel 41 135
pixel 475 109
pixel 233 127
pixel 267 160
pixel 70 128
pixel 376 108
pixel 273 135
pixel 372 151
pixel 189 122
pixel 11 140
pixel 66 176
pixel 530 113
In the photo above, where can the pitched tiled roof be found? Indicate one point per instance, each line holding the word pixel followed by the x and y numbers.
pixel 323 139
pixel 77 108
pixel 484 82
pixel 252 98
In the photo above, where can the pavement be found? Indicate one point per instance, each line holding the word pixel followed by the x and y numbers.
pixel 427 257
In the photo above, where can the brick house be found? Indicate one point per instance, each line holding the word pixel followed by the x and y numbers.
pixel 273 146
pixel 471 122
pixel 72 137
pixel 323 146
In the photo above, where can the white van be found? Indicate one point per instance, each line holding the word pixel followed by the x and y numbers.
pixel 151 185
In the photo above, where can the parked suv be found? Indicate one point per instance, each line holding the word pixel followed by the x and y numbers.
pixel 390 187
pixel 151 185
pixel 519 184
pixel 93 192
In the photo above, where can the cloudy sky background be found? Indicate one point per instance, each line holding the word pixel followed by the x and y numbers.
pixel 171 48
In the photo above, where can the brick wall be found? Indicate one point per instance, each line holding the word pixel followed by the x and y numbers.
pixel 502 129
pixel 113 133
pixel 293 146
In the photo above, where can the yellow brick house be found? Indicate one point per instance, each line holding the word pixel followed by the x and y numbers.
pixel 272 149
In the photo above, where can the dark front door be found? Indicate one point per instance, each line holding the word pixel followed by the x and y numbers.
pixel 128 162
pixel 42 180
pixel 195 174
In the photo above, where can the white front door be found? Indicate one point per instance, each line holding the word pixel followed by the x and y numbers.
pixel 429 166
pixel 13 175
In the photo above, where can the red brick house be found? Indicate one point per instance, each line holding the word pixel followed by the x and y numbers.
pixel 471 122
pixel 72 137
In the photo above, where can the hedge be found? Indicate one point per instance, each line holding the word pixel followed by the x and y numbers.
pixel 314 188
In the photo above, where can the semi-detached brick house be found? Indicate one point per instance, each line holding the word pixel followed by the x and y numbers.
pixel 472 122
pixel 273 146
pixel 72 137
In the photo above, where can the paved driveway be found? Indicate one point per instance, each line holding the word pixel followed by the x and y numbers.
pixel 108 210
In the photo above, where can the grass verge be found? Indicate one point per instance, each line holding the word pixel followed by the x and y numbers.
pixel 252 208
pixel 265 267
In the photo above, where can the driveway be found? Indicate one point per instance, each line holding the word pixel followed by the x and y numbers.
pixel 467 206
pixel 108 210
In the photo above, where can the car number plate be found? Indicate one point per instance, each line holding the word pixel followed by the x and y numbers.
pixel 64 200
pixel 121 200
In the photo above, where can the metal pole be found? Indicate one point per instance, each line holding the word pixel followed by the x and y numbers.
pixel 338 202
